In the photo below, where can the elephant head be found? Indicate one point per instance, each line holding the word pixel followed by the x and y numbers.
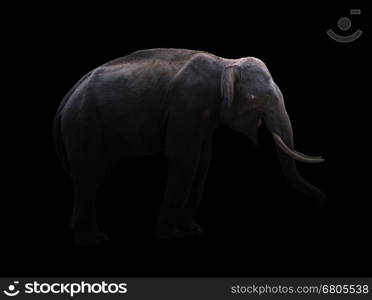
pixel 250 96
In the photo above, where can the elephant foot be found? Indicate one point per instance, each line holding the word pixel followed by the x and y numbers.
pixel 190 227
pixel 95 237
pixel 169 233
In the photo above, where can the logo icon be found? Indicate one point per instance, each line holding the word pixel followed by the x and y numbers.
pixel 344 24
pixel 11 292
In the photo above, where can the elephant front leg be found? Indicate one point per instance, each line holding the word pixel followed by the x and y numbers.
pixel 183 160
pixel 189 225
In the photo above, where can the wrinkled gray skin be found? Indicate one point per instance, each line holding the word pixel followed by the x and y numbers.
pixel 170 101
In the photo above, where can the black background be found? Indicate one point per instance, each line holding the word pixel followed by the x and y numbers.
pixel 256 225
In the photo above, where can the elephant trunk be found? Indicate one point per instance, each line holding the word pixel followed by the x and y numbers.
pixel 280 126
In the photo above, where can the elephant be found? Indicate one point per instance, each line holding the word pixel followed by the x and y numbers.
pixel 169 101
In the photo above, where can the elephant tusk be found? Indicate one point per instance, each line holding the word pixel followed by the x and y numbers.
pixel 308 156
pixel 294 154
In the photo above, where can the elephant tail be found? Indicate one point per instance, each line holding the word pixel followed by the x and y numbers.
pixel 57 131
pixel 59 145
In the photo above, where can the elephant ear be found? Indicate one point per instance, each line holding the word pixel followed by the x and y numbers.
pixel 229 78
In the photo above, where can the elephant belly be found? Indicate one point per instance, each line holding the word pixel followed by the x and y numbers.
pixel 132 135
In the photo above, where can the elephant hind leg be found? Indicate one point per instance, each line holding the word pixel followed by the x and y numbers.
pixel 88 170
pixel 84 220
